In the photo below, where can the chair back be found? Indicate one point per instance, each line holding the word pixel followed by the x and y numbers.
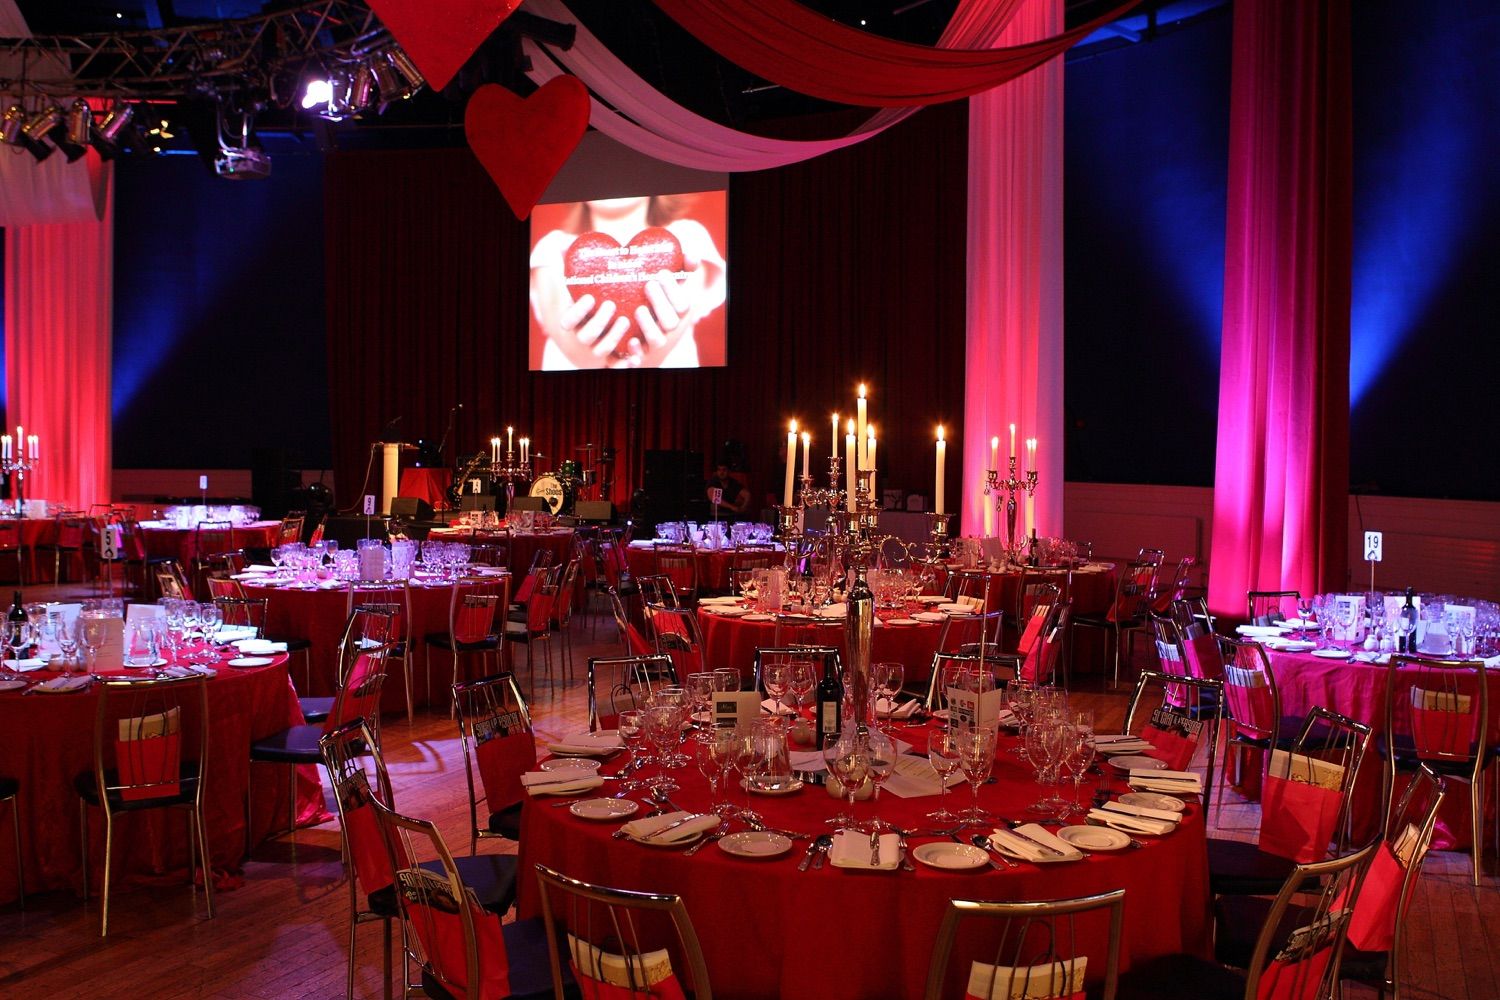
pixel 1250 693
pixel 541 607
pixel 394 597
pixel 618 942
pixel 820 658
pixel 1176 732
pixel 1035 624
pixel 967 583
pixel 567 588
pixel 612 564
pixel 476 609
pixel 1171 589
pixel 228 563
pixel 657 589
pixel 1035 589
pixel 982 628
pixel 1379 920
pixel 1191 613
pixel 1303 964
pixel 1133 592
pixel 170 581
pixel 749 557
pixel 150 741
pixel 210 537
pixel 620 683
pixel 368 639
pixel 1152 556
pixel 636 644
pixel 1025 949
pixel 1169 656
pixel 494 729
pixel 447 934
pixel 1267 606
pixel 1039 664
pixel 244 612
pixel 679 564
pixel 1308 791
pixel 220 585
pixel 677 636
pixel 806 630
pixel 356 769
pixel 491 553
pixel 1436 710
pixel 69 531
pixel 541 559
pixel 949 669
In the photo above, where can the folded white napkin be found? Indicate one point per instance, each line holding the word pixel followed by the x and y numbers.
pixel 904 710
pixel 194 670
pixel 559 782
pixel 30 663
pixel 834 611
pixel 1132 824
pixel 929 616
pixel 1008 841
pixel 1171 782
pixel 852 850
pixel 234 633
pixel 259 647
pixel 61 685
pixel 1165 815
pixel 1257 630
pixel 1298 624
pixel 770 705
pixel 603 741
pixel 646 829
pixel 261 568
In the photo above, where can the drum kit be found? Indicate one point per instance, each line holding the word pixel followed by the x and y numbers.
pixel 572 481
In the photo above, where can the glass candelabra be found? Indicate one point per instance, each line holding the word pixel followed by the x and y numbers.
pixel 18 466
pixel 1005 491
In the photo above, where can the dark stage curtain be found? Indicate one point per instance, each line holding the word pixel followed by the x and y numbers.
pixel 844 268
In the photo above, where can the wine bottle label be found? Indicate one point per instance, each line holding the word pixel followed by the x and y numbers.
pixel 830 716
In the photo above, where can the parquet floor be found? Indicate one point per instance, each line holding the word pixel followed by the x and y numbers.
pixel 283 933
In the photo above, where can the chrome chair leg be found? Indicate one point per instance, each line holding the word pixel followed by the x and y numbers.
pixel 205 860
pixel 109 841
pixel 83 839
pixel 15 822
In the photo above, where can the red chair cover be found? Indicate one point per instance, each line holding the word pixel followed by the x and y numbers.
pixel 1373 926
pixel 1293 980
pixel 503 754
pixel 523 593
pixel 1252 709
pixel 1170 746
pixel 362 698
pixel 440 929
pixel 1442 733
pixel 1203 657
pixel 539 610
pixel 149 767
pixel 1297 819
pixel 1033 628
pixel 596 989
pixel 475 619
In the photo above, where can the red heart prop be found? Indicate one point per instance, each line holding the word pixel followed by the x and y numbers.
pixel 523 143
pixel 441 35
pixel 597 265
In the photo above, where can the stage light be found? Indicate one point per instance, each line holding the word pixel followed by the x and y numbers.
pixel 75 130
pixel 34 132
pixel 107 134
pixel 10 125
pixel 386 80
pixel 408 70
pixel 362 88
pixel 317 92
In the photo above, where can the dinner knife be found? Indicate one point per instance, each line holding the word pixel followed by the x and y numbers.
pixel 808 856
pixel 1036 843
pixel 656 834
pixel 874 848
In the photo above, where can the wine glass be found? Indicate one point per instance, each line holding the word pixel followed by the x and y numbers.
pixel 943 754
pixel 700 689
pixel 711 765
pixel 887 678
pixel 18 635
pixel 882 765
pixel 847 757
pixel 67 640
pixel 631 726
pixel 726 679
pixel 1080 755
pixel 662 730
pixel 800 683
pixel 92 634
pixel 747 755
pixel 976 756
pixel 774 678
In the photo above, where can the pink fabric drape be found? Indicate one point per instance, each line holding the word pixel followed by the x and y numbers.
pixel 630 111
pixel 1281 480
pixel 59 283
pixel 1014 351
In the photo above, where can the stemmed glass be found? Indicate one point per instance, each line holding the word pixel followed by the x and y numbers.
pixel 847 757
pixel 800 683
pixel 631 726
pixel 712 755
pixel 944 756
pixel 774 678
pixel 1048 742
pixel 886 679
pixel 700 689
pixel 882 765
pixel 67 640
pixel 1080 754
pixel 663 728
pixel 91 636
pixel 976 756
pixel 675 697
pixel 747 755
pixel 726 679
pixel 18 635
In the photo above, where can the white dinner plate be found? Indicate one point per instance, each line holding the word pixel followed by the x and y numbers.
pixel 12 685
pixel 902 621
pixel 570 764
pixel 1153 800
pixel 729 611
pixel 1094 838
pixel 1332 654
pixel 787 788
pixel 755 844
pixel 603 809
pixel 932 599
pixel 757 617
pixel 250 661
pixel 1137 763
pixel 950 857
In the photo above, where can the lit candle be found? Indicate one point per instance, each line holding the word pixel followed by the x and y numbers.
pixel 1031 454
pixel 525 449
pixel 791 464
pixel 806 454
pixel 833 439
pixel 510 444
pixel 494 450
pixel 870 458
pixel 32 441
pixel 5 446
pixel 942 462
pixel 860 416
pixel 1012 442
pixel 1030 500
pixel 849 459
pixel 994 453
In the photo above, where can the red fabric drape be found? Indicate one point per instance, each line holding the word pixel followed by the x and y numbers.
pixel 799 48
pixel 59 291
pixel 1281 480
pixel 846 268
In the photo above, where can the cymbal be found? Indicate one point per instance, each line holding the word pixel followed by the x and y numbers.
pixel 585 447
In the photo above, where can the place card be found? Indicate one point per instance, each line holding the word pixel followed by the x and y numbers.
pixel 111 655
pixel 734 709
pixel 1349 607
pixel 915 777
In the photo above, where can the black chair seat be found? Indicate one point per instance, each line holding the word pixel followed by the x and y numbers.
pixel 294 745
pixel 1407 759
pixel 88 790
pixel 1240 868
pixel 9 787
pixel 442 641
pixel 1181 976
pixel 293 644
pixel 530 966
pixel 1239 920
pixel 1369 967
pixel 491 876
pixel 1289 728
pixel 316 709
pixel 507 822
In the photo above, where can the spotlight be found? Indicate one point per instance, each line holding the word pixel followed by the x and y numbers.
pixel 386 80
pixel 76 128
pixel 317 92
pixel 362 88
pixel 34 132
pixel 408 70
pixel 109 133
pixel 10 125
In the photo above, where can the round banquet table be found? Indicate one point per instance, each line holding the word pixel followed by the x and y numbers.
pixel 1091 587
pixel 713 564
pixel 46 740
pixel 524 545
pixel 1357 689
pixel 732 642
pixel 319 615
pixel 768 930
pixel 182 543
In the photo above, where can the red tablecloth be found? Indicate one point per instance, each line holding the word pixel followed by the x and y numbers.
pixel 731 642
pixel 1090 590
pixel 182 543
pixel 320 615
pixel 523 545
pixel 713 565
pixel 47 740
pixel 768 930
pixel 1357 690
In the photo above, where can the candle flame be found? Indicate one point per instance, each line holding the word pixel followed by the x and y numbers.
pixel 994 442
pixel 861 390
pixel 849 426
pixel 940 432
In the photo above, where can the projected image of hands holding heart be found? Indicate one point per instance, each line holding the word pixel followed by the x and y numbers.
pixel 625 283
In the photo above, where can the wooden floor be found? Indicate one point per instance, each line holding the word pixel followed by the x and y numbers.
pixel 283 933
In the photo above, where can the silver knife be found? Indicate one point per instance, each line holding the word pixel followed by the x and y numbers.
pixel 1037 843
pixel 874 848
pixel 656 834
pixel 906 864
pixel 808 856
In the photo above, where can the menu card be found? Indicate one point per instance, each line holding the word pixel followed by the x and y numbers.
pixel 735 709
pixel 1341 604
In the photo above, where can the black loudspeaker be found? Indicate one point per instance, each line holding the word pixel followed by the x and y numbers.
pixel 594 510
pixel 529 503
pixel 273 481
pixel 347 531
pixel 470 501
pixel 411 508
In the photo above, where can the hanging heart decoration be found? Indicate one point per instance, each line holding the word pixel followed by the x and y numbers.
pixel 441 35
pixel 523 142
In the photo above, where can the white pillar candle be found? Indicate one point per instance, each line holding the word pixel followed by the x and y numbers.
pixel 806 454
pixel 833 438
pixel 870 459
pixel 5 446
pixel 860 416
pixel 1031 454
pixel 850 455
pixel 994 453
pixel 1030 499
pixel 34 444
pixel 510 444
pixel 942 461
pixel 791 464
pixel 1013 442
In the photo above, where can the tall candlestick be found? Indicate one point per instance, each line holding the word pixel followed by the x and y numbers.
pixel 942 463
pixel 994 453
pixel 850 454
pixel 833 439
pixel 1030 497
pixel 1012 441
pixel 34 443
pixel 806 454
pixel 860 416
pixel 870 459
pixel 791 464
pixel 510 445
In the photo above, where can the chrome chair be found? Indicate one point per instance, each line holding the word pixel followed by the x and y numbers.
pixel 619 683
pixel 494 730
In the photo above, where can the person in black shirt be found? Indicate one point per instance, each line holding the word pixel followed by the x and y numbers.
pixel 735 497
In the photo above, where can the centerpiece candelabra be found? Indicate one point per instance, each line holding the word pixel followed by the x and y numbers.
pixel 1005 491
pixel 18 458
pixel 510 471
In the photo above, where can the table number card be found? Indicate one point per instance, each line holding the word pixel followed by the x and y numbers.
pixel 971 708
pixel 734 709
